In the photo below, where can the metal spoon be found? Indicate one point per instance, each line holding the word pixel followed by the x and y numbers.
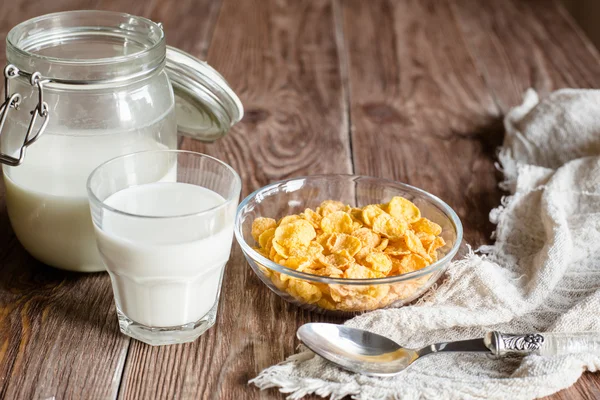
pixel 371 354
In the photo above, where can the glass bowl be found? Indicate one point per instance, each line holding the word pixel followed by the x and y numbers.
pixel 341 296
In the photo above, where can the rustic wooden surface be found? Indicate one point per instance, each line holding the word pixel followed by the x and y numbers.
pixel 412 90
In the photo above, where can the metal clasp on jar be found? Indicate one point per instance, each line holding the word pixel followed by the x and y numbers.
pixel 12 101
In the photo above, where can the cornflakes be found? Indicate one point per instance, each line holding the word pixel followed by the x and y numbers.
pixel 331 272
pixel 357 271
pixel 329 206
pixel 370 212
pixel 312 251
pixel 289 219
pixel 368 238
pixel 346 245
pixel 383 244
pixel 335 260
pixel 312 217
pixel 337 221
pixel 327 241
pixel 305 290
pixel 261 225
pixel 412 242
pixel 389 227
pixel 401 208
pixel 426 226
pixel 379 262
pixel 339 241
pixel 297 233
pixel 266 238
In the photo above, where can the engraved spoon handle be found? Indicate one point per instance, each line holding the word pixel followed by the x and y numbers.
pixel 544 344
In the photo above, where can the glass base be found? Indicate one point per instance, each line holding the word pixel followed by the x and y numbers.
pixel 168 335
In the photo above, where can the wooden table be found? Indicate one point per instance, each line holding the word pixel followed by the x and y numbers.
pixel 412 90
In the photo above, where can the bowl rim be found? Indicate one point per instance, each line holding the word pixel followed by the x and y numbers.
pixel 259 258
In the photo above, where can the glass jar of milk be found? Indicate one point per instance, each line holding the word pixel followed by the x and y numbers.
pixel 82 87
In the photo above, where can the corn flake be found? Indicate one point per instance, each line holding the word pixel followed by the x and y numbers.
pixel 426 226
pixel 425 238
pixel 398 248
pixel 346 245
pixel 289 219
pixel 335 260
pixel 312 217
pixel 327 241
pixel 413 243
pixel 331 272
pixel 296 233
pixel 408 263
pixel 383 244
pixel 367 237
pixel 329 206
pixel 265 238
pixel 312 251
pixel 260 225
pixel 357 271
pixel 378 262
pixel 337 222
pixel 306 291
pixel 370 212
pixel 389 227
pixel 435 244
pixel 401 208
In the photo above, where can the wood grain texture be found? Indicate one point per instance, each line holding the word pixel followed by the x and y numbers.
pixel 521 44
pixel 281 58
pixel 420 112
pixel 405 89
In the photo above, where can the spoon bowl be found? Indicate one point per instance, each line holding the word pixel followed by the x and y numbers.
pixel 356 350
pixel 371 354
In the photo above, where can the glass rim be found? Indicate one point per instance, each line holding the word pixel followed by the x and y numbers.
pixel 431 268
pixel 14 45
pixel 231 198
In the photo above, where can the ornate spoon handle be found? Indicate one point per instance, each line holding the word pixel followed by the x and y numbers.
pixel 545 344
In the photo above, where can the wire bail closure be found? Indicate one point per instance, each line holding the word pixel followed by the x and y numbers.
pixel 13 101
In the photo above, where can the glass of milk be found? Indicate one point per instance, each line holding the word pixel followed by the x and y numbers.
pixel 163 222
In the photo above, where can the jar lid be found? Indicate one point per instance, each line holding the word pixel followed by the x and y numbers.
pixel 205 105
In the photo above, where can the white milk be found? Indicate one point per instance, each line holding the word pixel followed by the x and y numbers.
pixel 46 196
pixel 166 272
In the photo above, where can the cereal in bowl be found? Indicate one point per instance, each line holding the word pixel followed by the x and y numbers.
pixel 339 241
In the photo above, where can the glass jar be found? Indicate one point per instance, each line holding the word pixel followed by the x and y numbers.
pixel 82 87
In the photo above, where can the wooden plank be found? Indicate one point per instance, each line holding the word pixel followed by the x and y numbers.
pixel 420 112
pixel 421 86
pixel 281 58
pixel 59 336
pixel 521 44
pixel 587 387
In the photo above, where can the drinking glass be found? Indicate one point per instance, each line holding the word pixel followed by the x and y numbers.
pixel 163 222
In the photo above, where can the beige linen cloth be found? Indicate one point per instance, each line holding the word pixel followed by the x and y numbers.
pixel 542 274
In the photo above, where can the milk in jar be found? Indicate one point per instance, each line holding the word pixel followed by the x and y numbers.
pixel 46 196
pixel 83 87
